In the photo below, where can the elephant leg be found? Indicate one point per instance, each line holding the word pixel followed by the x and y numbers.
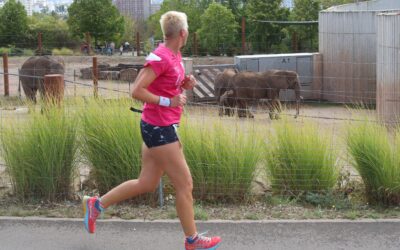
pixel 242 109
pixel 30 92
pixel 278 108
pixel 248 112
pixel 271 109
pixel 220 110
pixel 227 111
pixel 231 111
pixel 297 108
pixel 41 88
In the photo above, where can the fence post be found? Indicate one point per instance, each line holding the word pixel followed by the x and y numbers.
pixel 74 83
pixel 195 53
pixel 138 43
pixel 95 77
pixel 40 45
pixel 161 193
pixel 88 42
pixel 6 79
pixel 54 88
pixel 19 83
pixel 243 35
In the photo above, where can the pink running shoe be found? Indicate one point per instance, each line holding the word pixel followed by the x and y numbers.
pixel 203 242
pixel 91 211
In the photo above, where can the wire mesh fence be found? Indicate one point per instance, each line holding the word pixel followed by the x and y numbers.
pixel 228 156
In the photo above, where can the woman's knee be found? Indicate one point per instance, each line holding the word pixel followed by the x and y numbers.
pixel 185 186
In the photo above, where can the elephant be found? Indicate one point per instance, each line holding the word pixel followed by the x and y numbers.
pixel 248 87
pixel 33 71
pixel 284 79
pixel 221 85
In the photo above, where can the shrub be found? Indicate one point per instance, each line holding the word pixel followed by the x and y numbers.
pixel 222 159
pixel 40 154
pixel 5 50
pixel 62 52
pixel 300 160
pixel 377 160
pixel 12 51
pixel 111 142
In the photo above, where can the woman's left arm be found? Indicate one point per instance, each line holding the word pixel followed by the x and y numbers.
pixel 189 82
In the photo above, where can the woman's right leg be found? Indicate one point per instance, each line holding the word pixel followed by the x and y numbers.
pixel 148 181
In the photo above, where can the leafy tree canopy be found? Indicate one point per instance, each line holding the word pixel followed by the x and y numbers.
pixel 98 17
pixel 218 28
pixel 13 24
pixel 264 35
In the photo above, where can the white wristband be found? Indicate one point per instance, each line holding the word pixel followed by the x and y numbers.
pixel 164 101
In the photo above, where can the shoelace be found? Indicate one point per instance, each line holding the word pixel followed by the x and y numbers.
pixel 97 213
pixel 201 237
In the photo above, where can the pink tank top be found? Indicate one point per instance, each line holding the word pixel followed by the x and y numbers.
pixel 169 70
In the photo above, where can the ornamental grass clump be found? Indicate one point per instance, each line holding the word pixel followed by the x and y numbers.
pixel 111 142
pixel 222 158
pixel 376 156
pixel 300 160
pixel 39 152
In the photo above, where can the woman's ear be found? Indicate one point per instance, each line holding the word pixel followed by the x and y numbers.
pixel 183 32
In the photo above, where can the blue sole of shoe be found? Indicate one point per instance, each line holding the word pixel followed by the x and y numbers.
pixel 86 212
pixel 212 248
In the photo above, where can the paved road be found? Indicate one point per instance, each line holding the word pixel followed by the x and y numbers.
pixel 46 234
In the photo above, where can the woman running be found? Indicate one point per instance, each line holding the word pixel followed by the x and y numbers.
pixel 160 86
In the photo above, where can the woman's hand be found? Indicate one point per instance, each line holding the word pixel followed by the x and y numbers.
pixel 178 100
pixel 189 82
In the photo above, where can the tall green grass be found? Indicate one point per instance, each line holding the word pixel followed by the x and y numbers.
pixel 222 158
pixel 300 160
pixel 40 154
pixel 377 159
pixel 111 142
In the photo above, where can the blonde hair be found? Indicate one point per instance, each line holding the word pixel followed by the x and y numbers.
pixel 172 22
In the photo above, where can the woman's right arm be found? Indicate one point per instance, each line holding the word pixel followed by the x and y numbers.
pixel 143 80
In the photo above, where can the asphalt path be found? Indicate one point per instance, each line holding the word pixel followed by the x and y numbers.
pixel 45 234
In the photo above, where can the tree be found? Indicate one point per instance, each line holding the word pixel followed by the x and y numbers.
pixel 98 17
pixel 193 10
pixel 218 29
pixel 306 35
pixel 236 6
pixel 13 24
pixel 263 36
pixel 130 31
pixel 54 29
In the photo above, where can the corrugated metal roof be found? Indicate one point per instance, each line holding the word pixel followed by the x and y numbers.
pixel 367 6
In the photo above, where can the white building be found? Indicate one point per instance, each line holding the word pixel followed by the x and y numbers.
pixel 155 6
pixel 288 3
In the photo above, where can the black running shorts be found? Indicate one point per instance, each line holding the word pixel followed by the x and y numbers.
pixel 154 136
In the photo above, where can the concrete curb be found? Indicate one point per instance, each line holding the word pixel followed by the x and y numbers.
pixel 311 221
